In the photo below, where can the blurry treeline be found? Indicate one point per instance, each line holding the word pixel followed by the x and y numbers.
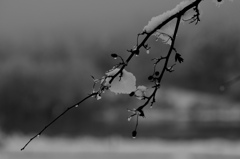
pixel 40 79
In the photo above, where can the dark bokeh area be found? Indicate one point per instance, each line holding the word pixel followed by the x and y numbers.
pixel 41 78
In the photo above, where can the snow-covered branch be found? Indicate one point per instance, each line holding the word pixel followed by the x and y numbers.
pixel 118 80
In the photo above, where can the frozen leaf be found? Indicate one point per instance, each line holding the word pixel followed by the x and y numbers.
pixel 124 83
pixel 140 93
pixel 98 97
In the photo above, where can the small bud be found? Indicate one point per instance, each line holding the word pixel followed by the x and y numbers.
pixel 150 78
pixel 157 73
pixel 136 52
pixel 131 94
pixel 114 55
pixel 134 134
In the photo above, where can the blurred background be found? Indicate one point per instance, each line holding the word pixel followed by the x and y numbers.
pixel 50 48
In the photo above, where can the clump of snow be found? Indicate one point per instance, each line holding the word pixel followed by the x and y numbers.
pixel 156 21
pixel 98 97
pixel 122 84
pixel 140 93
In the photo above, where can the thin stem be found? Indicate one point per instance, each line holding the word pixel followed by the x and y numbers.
pixel 136 123
pixel 170 49
pixel 64 112
pixel 165 64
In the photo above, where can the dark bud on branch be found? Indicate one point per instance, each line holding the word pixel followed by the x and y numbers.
pixel 157 73
pixel 150 78
pixel 114 55
pixel 132 94
pixel 141 113
pixel 134 134
pixel 136 52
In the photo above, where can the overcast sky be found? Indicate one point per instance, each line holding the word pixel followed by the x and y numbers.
pixel 23 18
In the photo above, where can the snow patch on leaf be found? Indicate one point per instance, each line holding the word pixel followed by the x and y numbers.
pixel 140 93
pixel 122 84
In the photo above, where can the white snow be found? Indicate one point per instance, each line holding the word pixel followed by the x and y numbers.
pixel 124 85
pixel 156 21
pixel 140 93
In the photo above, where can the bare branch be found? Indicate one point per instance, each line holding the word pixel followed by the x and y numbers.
pixel 124 63
pixel 64 112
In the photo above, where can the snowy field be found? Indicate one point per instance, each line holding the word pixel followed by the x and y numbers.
pixel 118 148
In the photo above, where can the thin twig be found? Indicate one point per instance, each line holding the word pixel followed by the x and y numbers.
pixel 69 108
pixel 165 63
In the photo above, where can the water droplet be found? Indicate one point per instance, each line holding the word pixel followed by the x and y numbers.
pixel 38 135
pixel 129 118
pixel 148 51
pixel 115 58
pixel 76 105
pixel 151 106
